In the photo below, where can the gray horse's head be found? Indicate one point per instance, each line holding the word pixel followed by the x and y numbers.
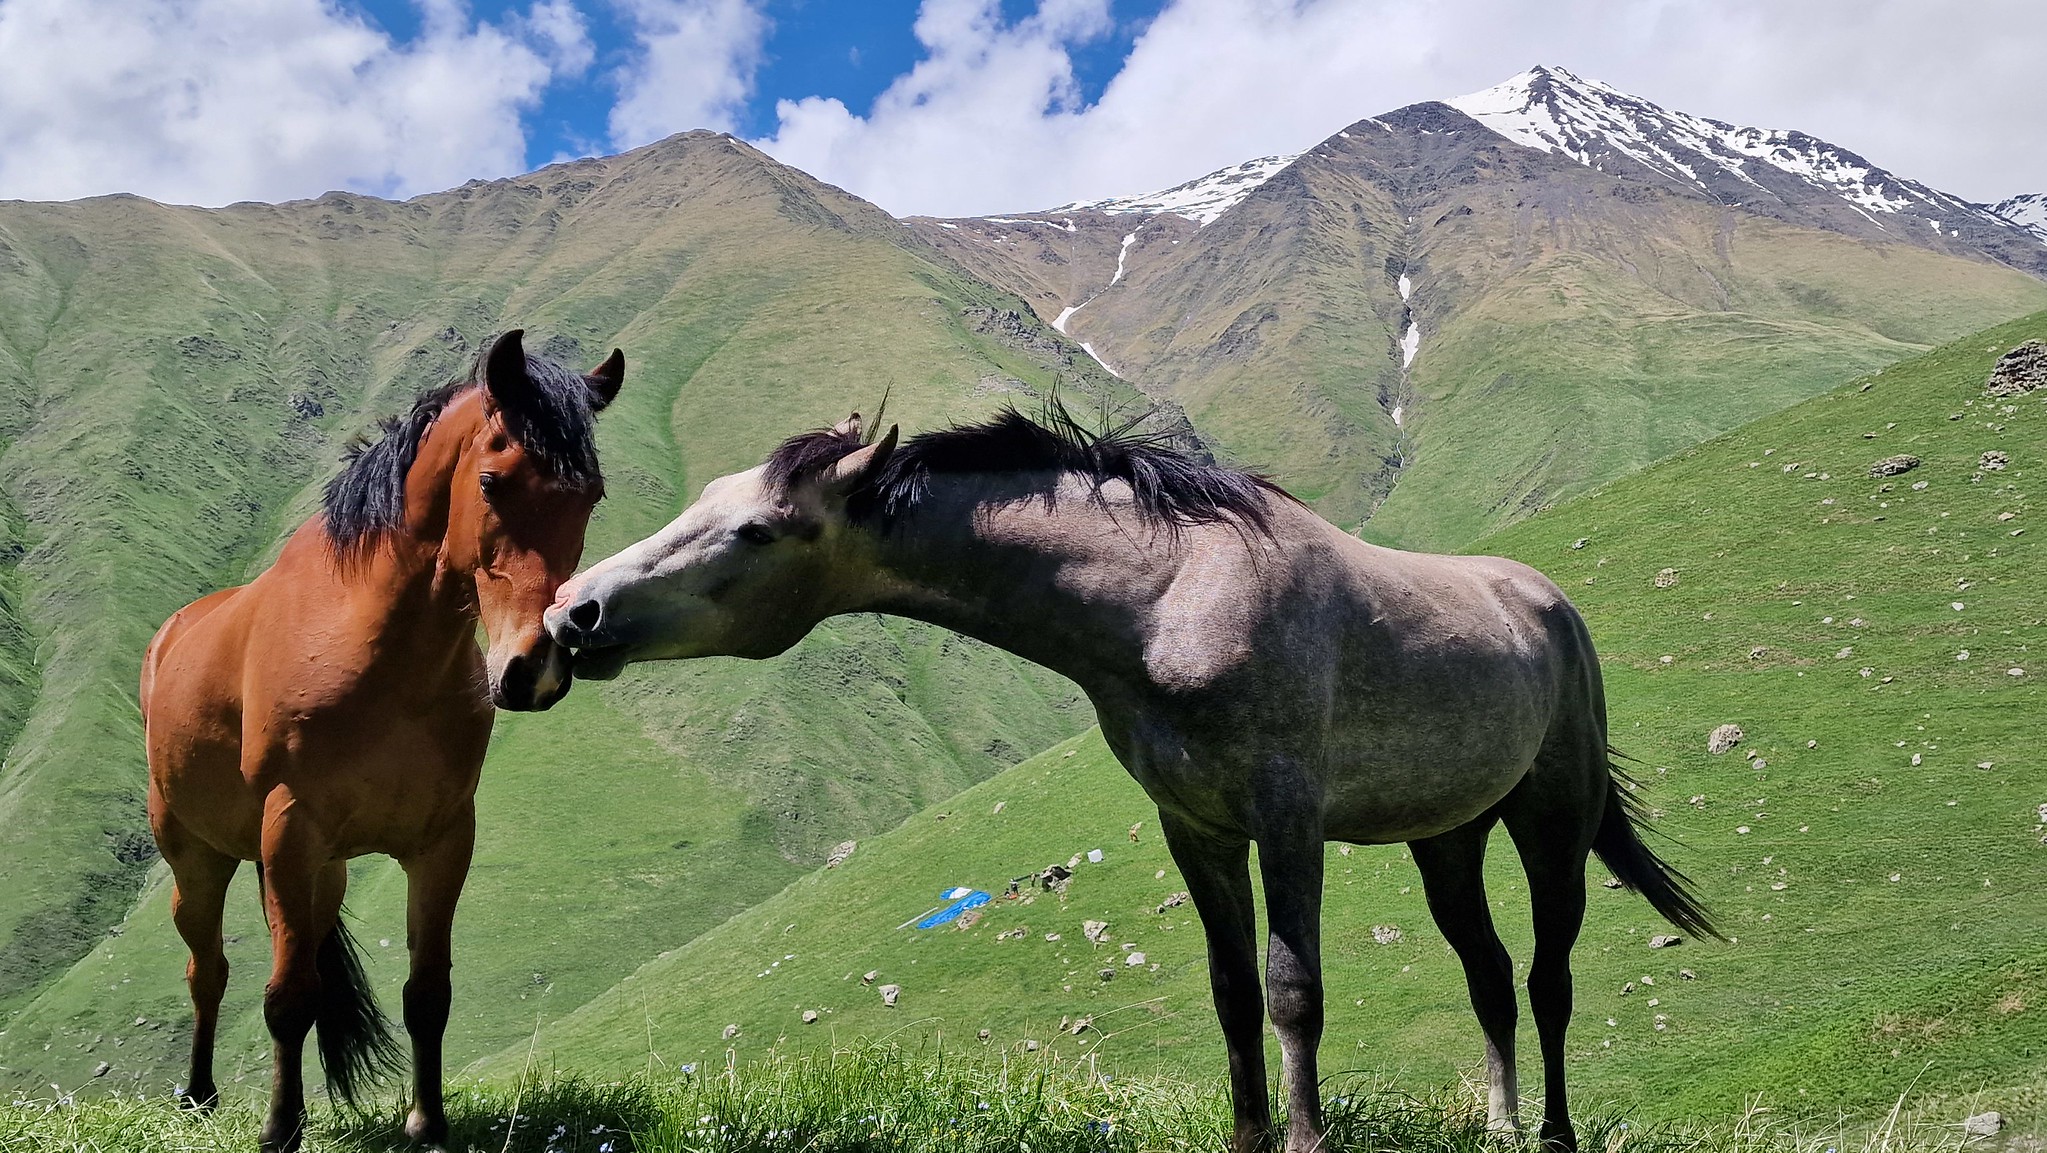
pixel 747 571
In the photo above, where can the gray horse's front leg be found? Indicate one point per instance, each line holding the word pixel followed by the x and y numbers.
pixel 1291 862
pixel 1218 874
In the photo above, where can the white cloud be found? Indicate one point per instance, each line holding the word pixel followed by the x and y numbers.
pixel 693 67
pixel 209 101
pixel 989 119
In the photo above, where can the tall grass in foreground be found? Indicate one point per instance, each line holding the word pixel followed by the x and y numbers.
pixel 883 1100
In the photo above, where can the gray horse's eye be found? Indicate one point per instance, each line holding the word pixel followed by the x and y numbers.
pixel 756 534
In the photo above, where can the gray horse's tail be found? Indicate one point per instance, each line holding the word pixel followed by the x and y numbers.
pixel 1620 848
pixel 356 1047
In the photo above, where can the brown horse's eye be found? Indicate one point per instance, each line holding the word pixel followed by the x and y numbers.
pixel 488 481
pixel 756 534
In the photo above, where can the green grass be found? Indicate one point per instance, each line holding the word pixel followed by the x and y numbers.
pixel 881 1099
pixel 1842 985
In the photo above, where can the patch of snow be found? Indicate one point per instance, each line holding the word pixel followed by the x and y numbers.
pixel 1066 314
pixel 2028 211
pixel 1106 367
pixel 1397 411
pixel 1202 200
pixel 1406 287
pixel 1555 111
pixel 1410 344
pixel 1123 254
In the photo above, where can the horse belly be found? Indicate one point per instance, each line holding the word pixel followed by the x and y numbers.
pixel 1385 804
pixel 1407 773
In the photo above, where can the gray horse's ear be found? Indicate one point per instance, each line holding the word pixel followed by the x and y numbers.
pixel 859 467
pixel 504 370
pixel 849 427
pixel 604 380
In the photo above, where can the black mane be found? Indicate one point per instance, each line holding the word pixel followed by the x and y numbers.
pixel 1172 486
pixel 552 420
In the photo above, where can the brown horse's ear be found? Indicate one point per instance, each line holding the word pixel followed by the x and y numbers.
pixel 849 427
pixel 605 379
pixel 504 370
pixel 860 466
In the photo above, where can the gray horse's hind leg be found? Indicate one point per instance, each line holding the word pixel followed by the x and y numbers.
pixel 1453 878
pixel 1218 875
pixel 1553 831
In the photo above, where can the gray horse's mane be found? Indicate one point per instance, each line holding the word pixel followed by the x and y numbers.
pixel 1172 486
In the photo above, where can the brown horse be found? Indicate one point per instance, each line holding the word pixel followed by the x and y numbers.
pixel 1265 676
pixel 338 705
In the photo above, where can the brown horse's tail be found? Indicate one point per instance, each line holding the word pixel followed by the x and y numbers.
pixel 1620 848
pixel 356 1047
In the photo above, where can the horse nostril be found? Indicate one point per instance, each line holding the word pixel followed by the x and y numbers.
pixel 585 615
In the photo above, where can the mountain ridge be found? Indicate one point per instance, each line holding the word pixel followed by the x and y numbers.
pixel 1265 300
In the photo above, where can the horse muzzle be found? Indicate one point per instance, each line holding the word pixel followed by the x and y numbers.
pixel 531 682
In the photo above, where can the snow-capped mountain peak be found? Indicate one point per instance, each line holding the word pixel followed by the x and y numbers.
pixel 1602 127
pixel 2027 210
pixel 1201 200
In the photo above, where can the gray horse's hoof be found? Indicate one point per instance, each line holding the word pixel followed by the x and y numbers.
pixel 199 1098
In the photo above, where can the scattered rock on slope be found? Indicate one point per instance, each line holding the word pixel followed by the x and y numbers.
pixel 889 993
pixel 1723 738
pixel 1665 941
pixel 2019 371
pixel 1985 1124
pixel 1893 465
pixel 1993 461
pixel 839 854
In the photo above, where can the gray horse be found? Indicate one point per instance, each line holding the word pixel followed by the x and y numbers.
pixel 1263 675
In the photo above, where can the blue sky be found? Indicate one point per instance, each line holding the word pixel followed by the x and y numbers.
pixel 945 107
pixel 849 49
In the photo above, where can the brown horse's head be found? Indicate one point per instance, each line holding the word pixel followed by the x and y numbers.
pixel 501 479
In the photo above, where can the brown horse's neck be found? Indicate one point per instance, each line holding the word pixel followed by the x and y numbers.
pixel 1065 585
pixel 410 579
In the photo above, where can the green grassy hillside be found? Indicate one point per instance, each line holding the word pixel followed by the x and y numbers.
pixel 889 1099
pixel 1873 847
pixel 178 383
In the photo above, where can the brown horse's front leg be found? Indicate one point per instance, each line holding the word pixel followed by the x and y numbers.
pixel 291 874
pixel 1218 875
pixel 434 883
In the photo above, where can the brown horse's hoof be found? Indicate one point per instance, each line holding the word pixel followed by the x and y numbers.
pixel 199 1098
pixel 1559 1137
pixel 279 1137
pixel 432 1132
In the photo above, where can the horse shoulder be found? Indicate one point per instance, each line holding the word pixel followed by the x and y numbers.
pixel 1208 622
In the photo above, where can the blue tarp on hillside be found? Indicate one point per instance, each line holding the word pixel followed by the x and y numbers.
pixel 958 900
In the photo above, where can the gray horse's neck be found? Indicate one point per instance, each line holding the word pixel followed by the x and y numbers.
pixel 1064 583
